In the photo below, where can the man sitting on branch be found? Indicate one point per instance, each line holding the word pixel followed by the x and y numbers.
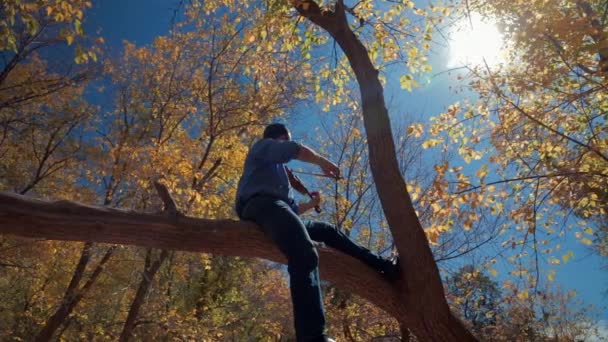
pixel 264 196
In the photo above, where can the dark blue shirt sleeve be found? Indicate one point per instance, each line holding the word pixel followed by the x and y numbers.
pixel 276 151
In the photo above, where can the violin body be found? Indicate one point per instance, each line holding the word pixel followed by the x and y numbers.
pixel 296 183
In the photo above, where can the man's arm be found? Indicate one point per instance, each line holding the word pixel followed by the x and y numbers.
pixel 275 151
pixel 307 155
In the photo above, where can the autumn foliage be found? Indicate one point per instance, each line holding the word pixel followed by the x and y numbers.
pixel 496 183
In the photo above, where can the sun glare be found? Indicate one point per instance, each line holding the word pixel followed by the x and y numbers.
pixel 474 41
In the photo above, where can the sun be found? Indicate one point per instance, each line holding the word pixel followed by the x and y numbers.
pixel 474 41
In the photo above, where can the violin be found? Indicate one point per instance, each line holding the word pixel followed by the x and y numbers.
pixel 296 183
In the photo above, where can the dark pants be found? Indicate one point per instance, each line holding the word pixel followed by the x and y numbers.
pixel 293 238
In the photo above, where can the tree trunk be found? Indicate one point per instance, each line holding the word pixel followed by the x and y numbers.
pixel 61 313
pixel 73 295
pixel 420 288
pixel 142 291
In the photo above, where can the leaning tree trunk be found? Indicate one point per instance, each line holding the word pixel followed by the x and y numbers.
pixel 62 311
pixel 420 289
pixel 150 270
pixel 74 293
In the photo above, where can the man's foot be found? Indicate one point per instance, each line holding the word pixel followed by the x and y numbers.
pixel 391 269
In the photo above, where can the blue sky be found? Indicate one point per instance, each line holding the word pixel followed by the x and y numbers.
pixel 140 21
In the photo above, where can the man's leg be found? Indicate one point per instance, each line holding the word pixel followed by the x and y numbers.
pixel 333 237
pixel 288 232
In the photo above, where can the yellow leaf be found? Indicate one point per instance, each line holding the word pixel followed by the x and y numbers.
pixel 415 130
pixel 69 39
pixel 431 143
pixel 586 241
pixel 467 225
pixel 567 256
pixel 523 295
pixel 407 81
pixel 432 235
pixel 482 172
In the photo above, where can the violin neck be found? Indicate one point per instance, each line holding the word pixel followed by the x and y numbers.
pixel 296 183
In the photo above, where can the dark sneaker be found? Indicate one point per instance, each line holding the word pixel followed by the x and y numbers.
pixel 391 269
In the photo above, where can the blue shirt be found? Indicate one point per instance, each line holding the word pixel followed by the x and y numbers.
pixel 264 171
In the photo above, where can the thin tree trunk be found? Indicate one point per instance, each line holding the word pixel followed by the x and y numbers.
pixel 73 295
pixel 61 313
pixel 150 270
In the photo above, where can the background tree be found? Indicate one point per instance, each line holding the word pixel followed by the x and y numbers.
pixel 43 119
pixel 536 136
pixel 30 28
pixel 476 297
pixel 544 115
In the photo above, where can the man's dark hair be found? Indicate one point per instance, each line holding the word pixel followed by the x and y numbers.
pixel 275 130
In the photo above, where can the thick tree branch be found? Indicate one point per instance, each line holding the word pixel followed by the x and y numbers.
pixel 71 221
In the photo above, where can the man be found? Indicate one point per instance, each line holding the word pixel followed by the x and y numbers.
pixel 264 196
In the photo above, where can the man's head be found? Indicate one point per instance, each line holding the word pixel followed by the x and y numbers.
pixel 277 131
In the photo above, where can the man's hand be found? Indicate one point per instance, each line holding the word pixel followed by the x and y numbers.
pixel 314 201
pixel 329 169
